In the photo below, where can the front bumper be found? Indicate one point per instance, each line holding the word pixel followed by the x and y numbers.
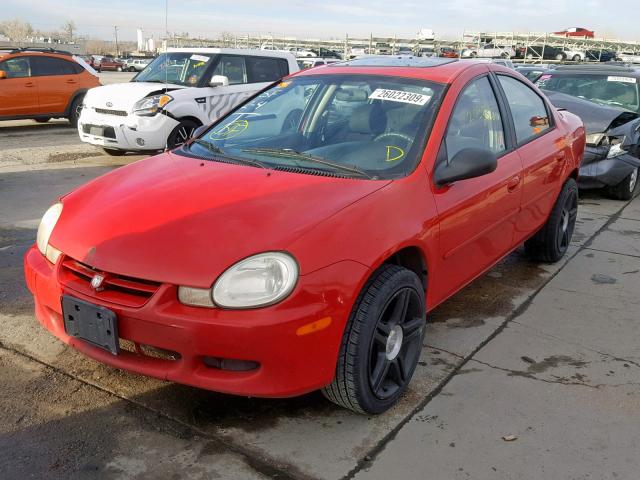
pixel 125 132
pixel 289 363
pixel 597 171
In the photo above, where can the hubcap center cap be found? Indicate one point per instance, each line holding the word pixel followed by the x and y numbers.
pixel 394 342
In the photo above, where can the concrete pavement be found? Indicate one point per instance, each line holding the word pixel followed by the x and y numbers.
pixel 563 378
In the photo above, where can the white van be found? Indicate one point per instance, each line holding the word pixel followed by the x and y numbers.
pixel 179 91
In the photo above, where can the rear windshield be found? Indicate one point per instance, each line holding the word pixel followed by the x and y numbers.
pixel 617 90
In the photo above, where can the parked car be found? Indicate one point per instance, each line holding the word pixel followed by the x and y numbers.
pixel 448 52
pixel 573 54
pixel 382 48
pixel 315 62
pixel 109 64
pixel 137 64
pixel 629 57
pixel 488 50
pixel 41 84
pixel 326 53
pixel 613 140
pixel 302 52
pixel 576 32
pixel 601 55
pixel 611 159
pixel 541 52
pixel 176 93
pixel 297 242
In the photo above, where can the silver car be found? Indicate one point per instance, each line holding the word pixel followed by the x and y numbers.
pixel 136 64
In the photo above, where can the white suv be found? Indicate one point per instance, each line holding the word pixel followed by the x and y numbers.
pixel 179 91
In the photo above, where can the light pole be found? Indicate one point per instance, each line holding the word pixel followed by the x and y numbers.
pixel 115 31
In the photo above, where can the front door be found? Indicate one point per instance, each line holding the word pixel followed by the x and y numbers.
pixel 478 215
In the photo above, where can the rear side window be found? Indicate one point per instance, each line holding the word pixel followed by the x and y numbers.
pixel 476 121
pixel 19 67
pixel 47 66
pixel 264 69
pixel 530 115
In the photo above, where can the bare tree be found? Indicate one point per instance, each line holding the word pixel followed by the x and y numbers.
pixel 69 27
pixel 16 30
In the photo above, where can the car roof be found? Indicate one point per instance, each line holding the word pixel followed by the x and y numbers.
pixel 441 70
pixel 235 51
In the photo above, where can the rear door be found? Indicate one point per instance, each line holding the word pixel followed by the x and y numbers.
pixel 57 82
pixel 19 90
pixel 542 149
pixel 478 215
pixel 247 75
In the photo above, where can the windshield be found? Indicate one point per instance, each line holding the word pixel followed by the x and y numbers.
pixel 617 90
pixel 178 68
pixel 351 125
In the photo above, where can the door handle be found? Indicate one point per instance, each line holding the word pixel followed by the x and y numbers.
pixel 29 84
pixel 513 183
pixel 71 81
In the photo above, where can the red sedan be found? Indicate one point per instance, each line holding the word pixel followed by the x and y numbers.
pixel 299 242
pixel 576 32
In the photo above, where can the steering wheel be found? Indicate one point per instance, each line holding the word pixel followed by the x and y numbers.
pixel 404 137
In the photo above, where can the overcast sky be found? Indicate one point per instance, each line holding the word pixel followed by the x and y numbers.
pixel 328 18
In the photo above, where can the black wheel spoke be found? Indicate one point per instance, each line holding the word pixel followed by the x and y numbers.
pixel 398 371
pixel 380 338
pixel 380 372
pixel 400 309
pixel 412 329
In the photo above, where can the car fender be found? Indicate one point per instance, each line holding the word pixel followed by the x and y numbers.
pixel 78 93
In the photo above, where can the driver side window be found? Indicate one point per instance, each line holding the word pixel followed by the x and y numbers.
pixel 232 67
pixel 476 121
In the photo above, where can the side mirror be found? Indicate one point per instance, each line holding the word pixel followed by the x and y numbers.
pixel 3 74
pixel 219 81
pixel 467 163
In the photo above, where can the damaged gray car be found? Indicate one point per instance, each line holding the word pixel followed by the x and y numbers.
pixel 607 98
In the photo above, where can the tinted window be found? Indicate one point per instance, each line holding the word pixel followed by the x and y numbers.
pixel 262 69
pixel 529 112
pixel 233 68
pixel 476 121
pixel 16 67
pixel 52 66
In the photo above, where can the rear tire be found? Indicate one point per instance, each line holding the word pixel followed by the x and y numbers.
pixel 576 58
pixel 625 189
pixel 114 153
pixel 381 343
pixel 551 242
pixel 74 111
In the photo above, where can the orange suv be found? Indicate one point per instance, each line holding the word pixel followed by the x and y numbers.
pixel 42 84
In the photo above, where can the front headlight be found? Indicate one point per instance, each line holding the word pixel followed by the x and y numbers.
pixel 257 281
pixel 263 279
pixel 149 106
pixel 594 138
pixel 48 222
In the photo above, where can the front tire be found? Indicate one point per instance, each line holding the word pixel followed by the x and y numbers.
pixel 552 241
pixel 382 342
pixel 625 189
pixel 42 119
pixel 576 58
pixel 181 133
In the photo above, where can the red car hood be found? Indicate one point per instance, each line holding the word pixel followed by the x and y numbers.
pixel 184 221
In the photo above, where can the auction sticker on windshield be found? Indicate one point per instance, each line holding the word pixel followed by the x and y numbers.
pixel 621 79
pixel 199 58
pixel 399 96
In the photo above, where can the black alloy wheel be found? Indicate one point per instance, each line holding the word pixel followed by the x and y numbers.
pixel 396 343
pixel 382 342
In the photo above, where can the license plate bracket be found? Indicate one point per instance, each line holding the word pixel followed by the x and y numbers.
pixel 91 323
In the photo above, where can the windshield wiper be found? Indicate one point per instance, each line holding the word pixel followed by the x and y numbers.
pixel 290 153
pixel 218 151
